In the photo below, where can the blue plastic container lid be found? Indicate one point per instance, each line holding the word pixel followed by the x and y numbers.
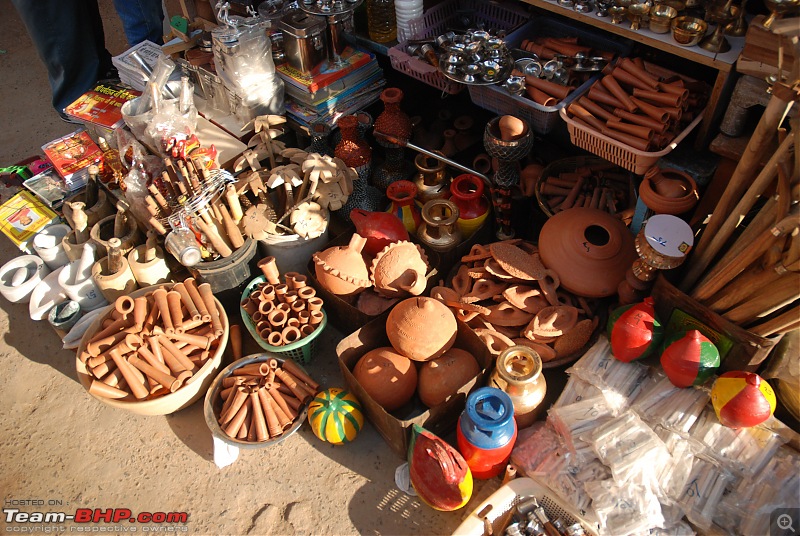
pixel 488 420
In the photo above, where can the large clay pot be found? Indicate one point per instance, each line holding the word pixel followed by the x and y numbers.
pixel 341 269
pixel 589 249
pixel 441 378
pixel 421 328
pixel 466 191
pixel 404 205
pixel 379 228
pixel 399 270
pixel 388 377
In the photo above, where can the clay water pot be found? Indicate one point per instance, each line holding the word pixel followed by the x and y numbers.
pixel 399 270
pixel 393 121
pixel 466 191
pixel 403 204
pixel 379 228
pixel 388 377
pixel 341 269
pixel 589 249
pixel 421 328
pixel 442 377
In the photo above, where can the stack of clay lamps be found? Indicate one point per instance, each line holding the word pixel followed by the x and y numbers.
pixel 636 107
pixel 602 185
pixel 507 296
pixel 262 400
pixel 283 313
pixel 150 346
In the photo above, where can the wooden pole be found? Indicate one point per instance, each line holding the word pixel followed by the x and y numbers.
pixel 779 294
pixel 780 102
pixel 781 322
pixel 715 238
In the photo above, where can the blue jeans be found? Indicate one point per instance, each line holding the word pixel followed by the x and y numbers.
pixel 68 35
pixel 142 20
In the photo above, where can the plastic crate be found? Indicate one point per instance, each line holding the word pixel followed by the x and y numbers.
pixel 620 153
pixel 542 119
pixel 300 351
pixel 505 16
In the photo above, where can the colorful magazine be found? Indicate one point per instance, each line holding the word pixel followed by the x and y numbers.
pixel 102 105
pixel 321 77
pixel 71 156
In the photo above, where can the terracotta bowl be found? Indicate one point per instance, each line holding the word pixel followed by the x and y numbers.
pixel 212 406
pixel 188 394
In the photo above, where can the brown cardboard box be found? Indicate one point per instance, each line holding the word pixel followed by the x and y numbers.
pixel 395 427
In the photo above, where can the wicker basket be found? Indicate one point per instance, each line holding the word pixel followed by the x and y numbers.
pixel 444 16
pixel 301 350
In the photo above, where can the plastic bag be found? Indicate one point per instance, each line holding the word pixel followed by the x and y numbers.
pixel 142 167
pixel 703 491
pixel 625 509
pixel 672 407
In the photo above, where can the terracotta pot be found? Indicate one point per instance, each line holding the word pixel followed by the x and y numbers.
pixel 466 191
pixel 341 269
pixel 379 228
pixel 442 377
pixel 388 377
pixel 589 249
pixel 668 191
pixel 393 121
pixel 410 328
pixel 353 149
pixel 399 270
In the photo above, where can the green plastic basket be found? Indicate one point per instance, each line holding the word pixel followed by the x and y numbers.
pixel 301 350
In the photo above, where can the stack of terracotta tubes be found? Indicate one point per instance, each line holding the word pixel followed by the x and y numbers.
pixel 603 186
pixel 286 312
pixel 636 107
pixel 150 346
pixel 261 400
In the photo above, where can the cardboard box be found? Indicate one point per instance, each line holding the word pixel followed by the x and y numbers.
pixel 395 427
pixel 23 216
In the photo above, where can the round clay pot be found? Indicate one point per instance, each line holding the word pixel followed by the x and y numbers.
pixel 421 328
pixel 399 270
pixel 442 377
pixel 393 121
pixel 466 191
pixel 668 191
pixel 379 228
pixel 341 269
pixel 388 377
pixel 589 249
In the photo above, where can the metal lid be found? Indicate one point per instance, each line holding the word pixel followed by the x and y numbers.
pixel 300 24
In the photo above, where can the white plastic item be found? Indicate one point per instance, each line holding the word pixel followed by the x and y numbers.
pixel 19 276
pixel 47 244
pixel 73 338
pixel 84 269
pixel 84 292
pixel 46 295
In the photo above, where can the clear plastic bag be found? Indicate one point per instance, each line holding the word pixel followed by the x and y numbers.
pixel 627 509
pixel 143 166
pixel 579 418
pixel 674 408
pixel 703 492
pixel 533 445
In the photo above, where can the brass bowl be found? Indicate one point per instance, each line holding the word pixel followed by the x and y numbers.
pixel 661 18
pixel 688 31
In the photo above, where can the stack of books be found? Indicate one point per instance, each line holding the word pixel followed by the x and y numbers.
pixel 100 108
pixel 130 71
pixel 71 156
pixel 326 95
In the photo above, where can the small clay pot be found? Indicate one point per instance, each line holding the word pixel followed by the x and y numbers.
pixel 441 378
pixel 341 269
pixel 668 191
pixel 388 377
pixel 399 270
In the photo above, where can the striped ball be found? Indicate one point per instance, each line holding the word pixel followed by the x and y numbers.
pixel 742 399
pixel 335 416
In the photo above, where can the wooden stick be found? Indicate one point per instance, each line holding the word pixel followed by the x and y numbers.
pixel 709 286
pixel 745 285
pixel 700 261
pixel 781 293
pixel 786 320
pixel 782 98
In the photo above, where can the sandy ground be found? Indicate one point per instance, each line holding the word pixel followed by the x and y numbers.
pixel 60 446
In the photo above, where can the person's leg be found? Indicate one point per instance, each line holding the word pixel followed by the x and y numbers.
pixel 141 20
pixel 68 35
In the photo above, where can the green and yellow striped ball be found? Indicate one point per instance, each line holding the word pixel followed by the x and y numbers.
pixel 335 416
